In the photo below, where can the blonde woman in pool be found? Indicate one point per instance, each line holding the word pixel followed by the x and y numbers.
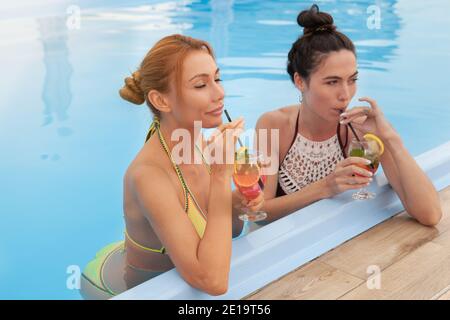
pixel 312 153
pixel 177 215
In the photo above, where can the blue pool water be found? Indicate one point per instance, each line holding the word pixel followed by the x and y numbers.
pixel 67 137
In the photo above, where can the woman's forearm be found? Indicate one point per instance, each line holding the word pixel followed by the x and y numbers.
pixel 281 206
pixel 418 194
pixel 214 251
pixel 237 224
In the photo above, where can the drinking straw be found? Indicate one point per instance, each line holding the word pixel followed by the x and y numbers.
pixel 357 138
pixel 229 120
pixel 353 130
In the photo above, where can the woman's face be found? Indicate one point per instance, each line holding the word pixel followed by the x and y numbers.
pixel 201 95
pixel 332 85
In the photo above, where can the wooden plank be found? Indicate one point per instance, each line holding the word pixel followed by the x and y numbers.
pixel 422 272
pixel 445 296
pixel 419 275
pixel 444 224
pixel 386 243
pixel 443 240
pixel 382 246
pixel 414 259
pixel 316 280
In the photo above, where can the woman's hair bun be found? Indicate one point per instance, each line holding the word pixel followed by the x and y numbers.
pixel 312 19
pixel 132 91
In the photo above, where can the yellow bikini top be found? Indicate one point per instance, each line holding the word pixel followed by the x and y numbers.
pixel 191 207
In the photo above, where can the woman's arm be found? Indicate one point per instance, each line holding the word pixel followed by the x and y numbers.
pixel 414 188
pixel 281 206
pixel 237 224
pixel 203 262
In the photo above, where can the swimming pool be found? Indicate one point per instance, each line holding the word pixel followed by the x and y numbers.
pixel 67 137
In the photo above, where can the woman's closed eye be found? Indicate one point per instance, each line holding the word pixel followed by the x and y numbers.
pixel 202 85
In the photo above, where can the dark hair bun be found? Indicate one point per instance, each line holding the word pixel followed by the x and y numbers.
pixel 312 19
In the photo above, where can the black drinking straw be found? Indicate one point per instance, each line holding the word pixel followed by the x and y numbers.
pixel 354 132
pixel 260 183
pixel 357 138
pixel 229 120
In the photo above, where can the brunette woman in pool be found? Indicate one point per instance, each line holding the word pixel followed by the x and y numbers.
pixel 312 153
pixel 177 215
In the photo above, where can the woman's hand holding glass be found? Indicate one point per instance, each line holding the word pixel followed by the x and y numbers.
pixel 242 203
pixel 249 182
pixel 348 174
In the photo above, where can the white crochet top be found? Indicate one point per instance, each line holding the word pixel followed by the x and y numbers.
pixel 308 161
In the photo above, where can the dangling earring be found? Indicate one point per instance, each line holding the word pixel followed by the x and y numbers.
pixel 301 98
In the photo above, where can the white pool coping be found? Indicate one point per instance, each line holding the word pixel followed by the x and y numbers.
pixel 272 251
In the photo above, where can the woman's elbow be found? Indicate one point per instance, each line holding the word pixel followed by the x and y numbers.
pixel 430 217
pixel 217 289
pixel 214 285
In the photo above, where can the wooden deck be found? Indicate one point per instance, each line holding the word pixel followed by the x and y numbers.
pixel 414 261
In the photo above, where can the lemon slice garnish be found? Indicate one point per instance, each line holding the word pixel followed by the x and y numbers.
pixel 371 136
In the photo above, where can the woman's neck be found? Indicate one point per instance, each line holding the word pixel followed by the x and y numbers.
pixel 185 139
pixel 314 127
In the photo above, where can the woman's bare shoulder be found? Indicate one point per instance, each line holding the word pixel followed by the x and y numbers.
pixel 277 119
pixel 138 173
pixel 145 164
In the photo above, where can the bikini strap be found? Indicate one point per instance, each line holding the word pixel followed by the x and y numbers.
pixel 155 127
pixel 280 192
pixel 293 139
pixel 341 145
pixel 161 251
pixel 203 159
pixel 296 128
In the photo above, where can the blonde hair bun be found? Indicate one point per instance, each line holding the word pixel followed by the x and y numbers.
pixel 132 91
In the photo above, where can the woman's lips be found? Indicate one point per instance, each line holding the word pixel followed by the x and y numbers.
pixel 216 112
pixel 339 110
